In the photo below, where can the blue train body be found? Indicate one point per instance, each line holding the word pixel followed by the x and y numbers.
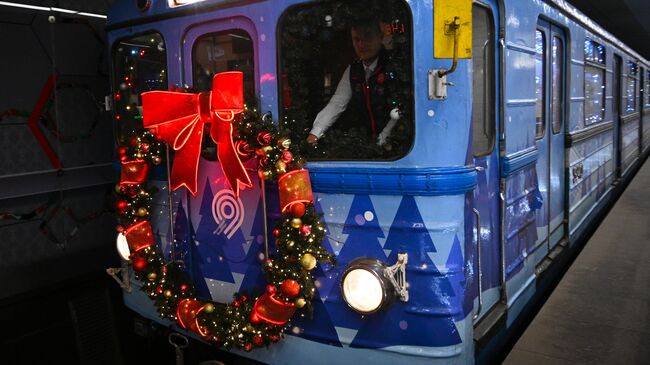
pixel 492 222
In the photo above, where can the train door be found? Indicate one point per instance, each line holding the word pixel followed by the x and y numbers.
pixel 616 113
pixel 550 131
pixel 485 158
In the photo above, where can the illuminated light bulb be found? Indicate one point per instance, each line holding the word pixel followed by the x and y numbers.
pixel 123 247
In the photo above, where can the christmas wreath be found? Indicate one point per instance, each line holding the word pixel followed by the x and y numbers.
pixel 181 119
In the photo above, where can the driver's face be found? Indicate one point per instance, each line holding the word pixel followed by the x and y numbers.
pixel 367 43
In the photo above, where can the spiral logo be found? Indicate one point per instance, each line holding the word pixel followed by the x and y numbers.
pixel 228 212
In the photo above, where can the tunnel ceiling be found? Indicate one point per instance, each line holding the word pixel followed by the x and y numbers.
pixel 628 20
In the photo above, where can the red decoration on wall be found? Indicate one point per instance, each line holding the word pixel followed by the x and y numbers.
pixel 139 236
pixel 134 172
pixel 35 116
pixel 273 310
pixel 178 118
pixel 294 187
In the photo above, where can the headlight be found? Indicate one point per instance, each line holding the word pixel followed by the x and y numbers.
pixel 369 284
pixel 123 247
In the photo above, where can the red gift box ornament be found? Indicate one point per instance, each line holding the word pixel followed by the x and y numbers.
pixel 139 236
pixel 178 119
pixel 273 310
pixel 294 187
pixel 134 172
pixel 186 312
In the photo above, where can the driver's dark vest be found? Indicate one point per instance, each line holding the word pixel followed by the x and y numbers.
pixel 368 102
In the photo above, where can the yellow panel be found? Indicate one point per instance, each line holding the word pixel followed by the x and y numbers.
pixel 444 12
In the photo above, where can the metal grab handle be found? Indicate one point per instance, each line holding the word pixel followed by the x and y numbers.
pixel 478 258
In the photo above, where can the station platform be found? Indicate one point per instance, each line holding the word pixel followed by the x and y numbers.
pixel 599 313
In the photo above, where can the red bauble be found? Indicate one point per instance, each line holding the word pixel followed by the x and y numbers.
pixel 298 210
pixel 290 288
pixel 271 289
pixel 305 230
pixel 159 290
pixel 121 151
pixel 124 158
pixel 183 287
pixel 139 263
pixel 258 340
pixel 122 205
pixel 274 338
pixel 287 156
pixel 120 228
pixel 243 298
pixel 276 232
pixel 248 347
pixel 236 303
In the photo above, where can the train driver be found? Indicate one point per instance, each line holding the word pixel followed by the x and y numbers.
pixel 361 90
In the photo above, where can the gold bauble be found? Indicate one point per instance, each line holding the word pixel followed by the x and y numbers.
pixel 168 293
pixel 118 188
pixel 266 174
pixel 300 302
pixel 266 150
pixel 290 244
pixel 308 261
pixel 138 155
pixel 208 308
pixel 296 222
pixel 152 276
pixel 157 160
pixel 281 166
pixel 142 212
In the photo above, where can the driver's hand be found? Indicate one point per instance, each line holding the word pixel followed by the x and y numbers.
pixel 312 139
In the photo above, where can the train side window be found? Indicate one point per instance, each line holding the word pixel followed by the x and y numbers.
pixel 483 123
pixel 646 91
pixel 630 86
pixel 230 50
pixel 345 78
pixel 594 82
pixel 540 85
pixel 557 89
pixel 139 65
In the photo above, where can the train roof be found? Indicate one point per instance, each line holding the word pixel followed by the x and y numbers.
pixel 125 13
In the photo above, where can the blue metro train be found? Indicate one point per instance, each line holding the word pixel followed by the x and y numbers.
pixel 497 167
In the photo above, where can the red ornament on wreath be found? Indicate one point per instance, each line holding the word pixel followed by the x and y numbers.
pixel 298 210
pixel 139 263
pixel 290 288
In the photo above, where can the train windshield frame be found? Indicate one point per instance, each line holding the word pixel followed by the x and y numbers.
pixel 139 64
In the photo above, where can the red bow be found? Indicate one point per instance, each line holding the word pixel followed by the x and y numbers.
pixel 179 119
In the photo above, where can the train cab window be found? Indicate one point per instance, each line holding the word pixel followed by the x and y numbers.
pixel 346 78
pixel 482 81
pixel 630 87
pixel 594 82
pixel 139 65
pixel 230 50
pixel 540 85
pixel 557 90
